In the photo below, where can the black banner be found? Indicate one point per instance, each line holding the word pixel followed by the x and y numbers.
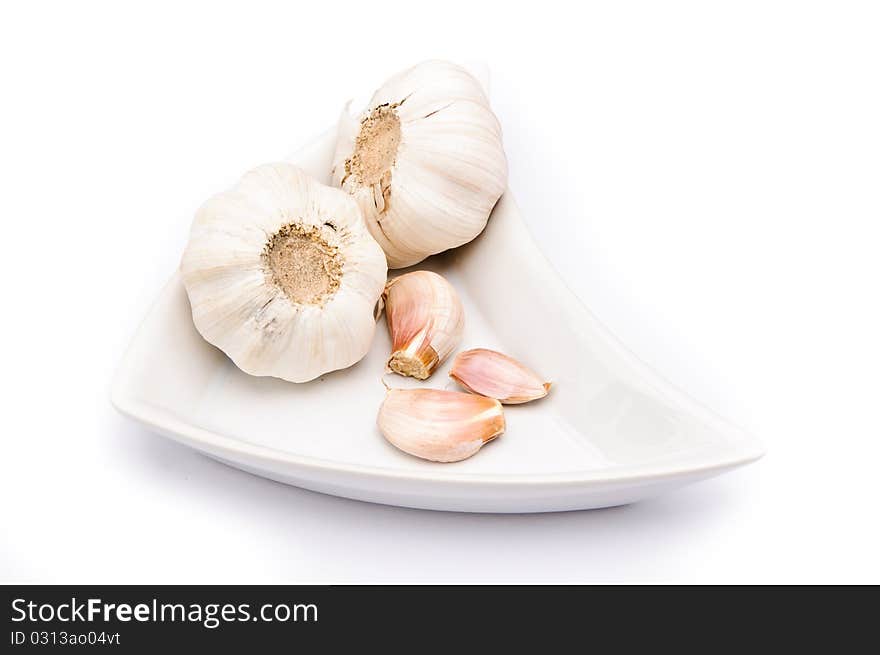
pixel 144 619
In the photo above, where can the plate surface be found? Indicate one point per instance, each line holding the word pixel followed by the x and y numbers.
pixel 611 431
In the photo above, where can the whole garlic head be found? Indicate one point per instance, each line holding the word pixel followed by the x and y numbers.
pixel 424 161
pixel 283 276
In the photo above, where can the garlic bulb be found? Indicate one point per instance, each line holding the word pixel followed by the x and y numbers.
pixel 493 374
pixel 442 426
pixel 424 161
pixel 425 319
pixel 283 276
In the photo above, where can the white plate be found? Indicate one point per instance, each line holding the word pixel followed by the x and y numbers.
pixel 610 432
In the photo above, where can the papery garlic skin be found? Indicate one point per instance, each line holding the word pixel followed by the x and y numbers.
pixel 441 426
pixel 424 161
pixel 495 375
pixel 283 276
pixel 425 319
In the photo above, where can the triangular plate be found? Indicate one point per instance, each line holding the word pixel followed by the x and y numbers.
pixel 610 432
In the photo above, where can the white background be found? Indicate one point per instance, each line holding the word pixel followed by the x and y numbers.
pixel 705 176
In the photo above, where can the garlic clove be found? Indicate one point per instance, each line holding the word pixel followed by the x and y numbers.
pixel 425 318
pixel 424 161
pixel 441 426
pixel 283 276
pixel 495 375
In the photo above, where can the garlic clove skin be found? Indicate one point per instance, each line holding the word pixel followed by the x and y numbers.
pixel 425 319
pixel 441 426
pixel 283 276
pixel 495 375
pixel 424 161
